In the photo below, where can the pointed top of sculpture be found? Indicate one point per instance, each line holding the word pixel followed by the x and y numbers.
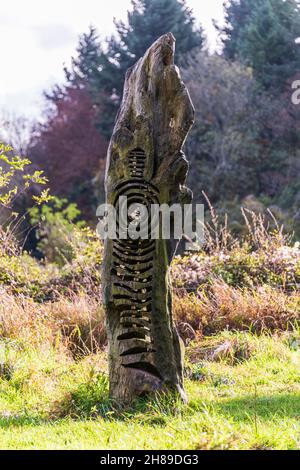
pixel 156 113
pixel 166 44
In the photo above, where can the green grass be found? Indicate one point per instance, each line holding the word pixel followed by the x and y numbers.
pixel 247 398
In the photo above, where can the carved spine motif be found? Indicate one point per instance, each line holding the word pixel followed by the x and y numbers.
pixel 132 271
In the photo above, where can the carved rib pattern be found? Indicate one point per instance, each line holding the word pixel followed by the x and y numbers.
pixel 136 163
pixel 132 271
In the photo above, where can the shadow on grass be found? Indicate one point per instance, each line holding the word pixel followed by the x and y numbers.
pixel 91 400
pixel 263 407
pixel 20 420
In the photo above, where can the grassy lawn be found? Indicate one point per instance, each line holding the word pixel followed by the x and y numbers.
pixel 244 393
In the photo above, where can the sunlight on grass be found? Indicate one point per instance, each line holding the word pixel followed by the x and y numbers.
pixel 50 401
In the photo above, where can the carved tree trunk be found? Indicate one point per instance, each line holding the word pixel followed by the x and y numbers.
pixel 145 163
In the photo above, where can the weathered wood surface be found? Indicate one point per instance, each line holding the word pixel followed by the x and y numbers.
pixel 145 162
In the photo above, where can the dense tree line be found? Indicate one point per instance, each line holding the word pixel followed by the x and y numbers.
pixel 71 145
pixel 245 142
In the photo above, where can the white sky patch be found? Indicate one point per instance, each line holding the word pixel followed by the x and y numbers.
pixel 39 37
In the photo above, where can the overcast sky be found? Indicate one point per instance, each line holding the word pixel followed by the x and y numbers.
pixel 39 37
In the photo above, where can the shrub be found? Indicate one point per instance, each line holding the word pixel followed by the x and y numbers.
pixel 56 224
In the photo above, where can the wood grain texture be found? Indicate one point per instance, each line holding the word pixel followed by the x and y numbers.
pixel 145 162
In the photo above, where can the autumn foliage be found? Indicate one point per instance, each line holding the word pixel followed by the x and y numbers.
pixel 68 147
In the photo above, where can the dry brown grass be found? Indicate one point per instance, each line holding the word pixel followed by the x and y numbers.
pixel 226 307
pixel 77 322
pixel 261 231
pixel 233 284
pixel 81 321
